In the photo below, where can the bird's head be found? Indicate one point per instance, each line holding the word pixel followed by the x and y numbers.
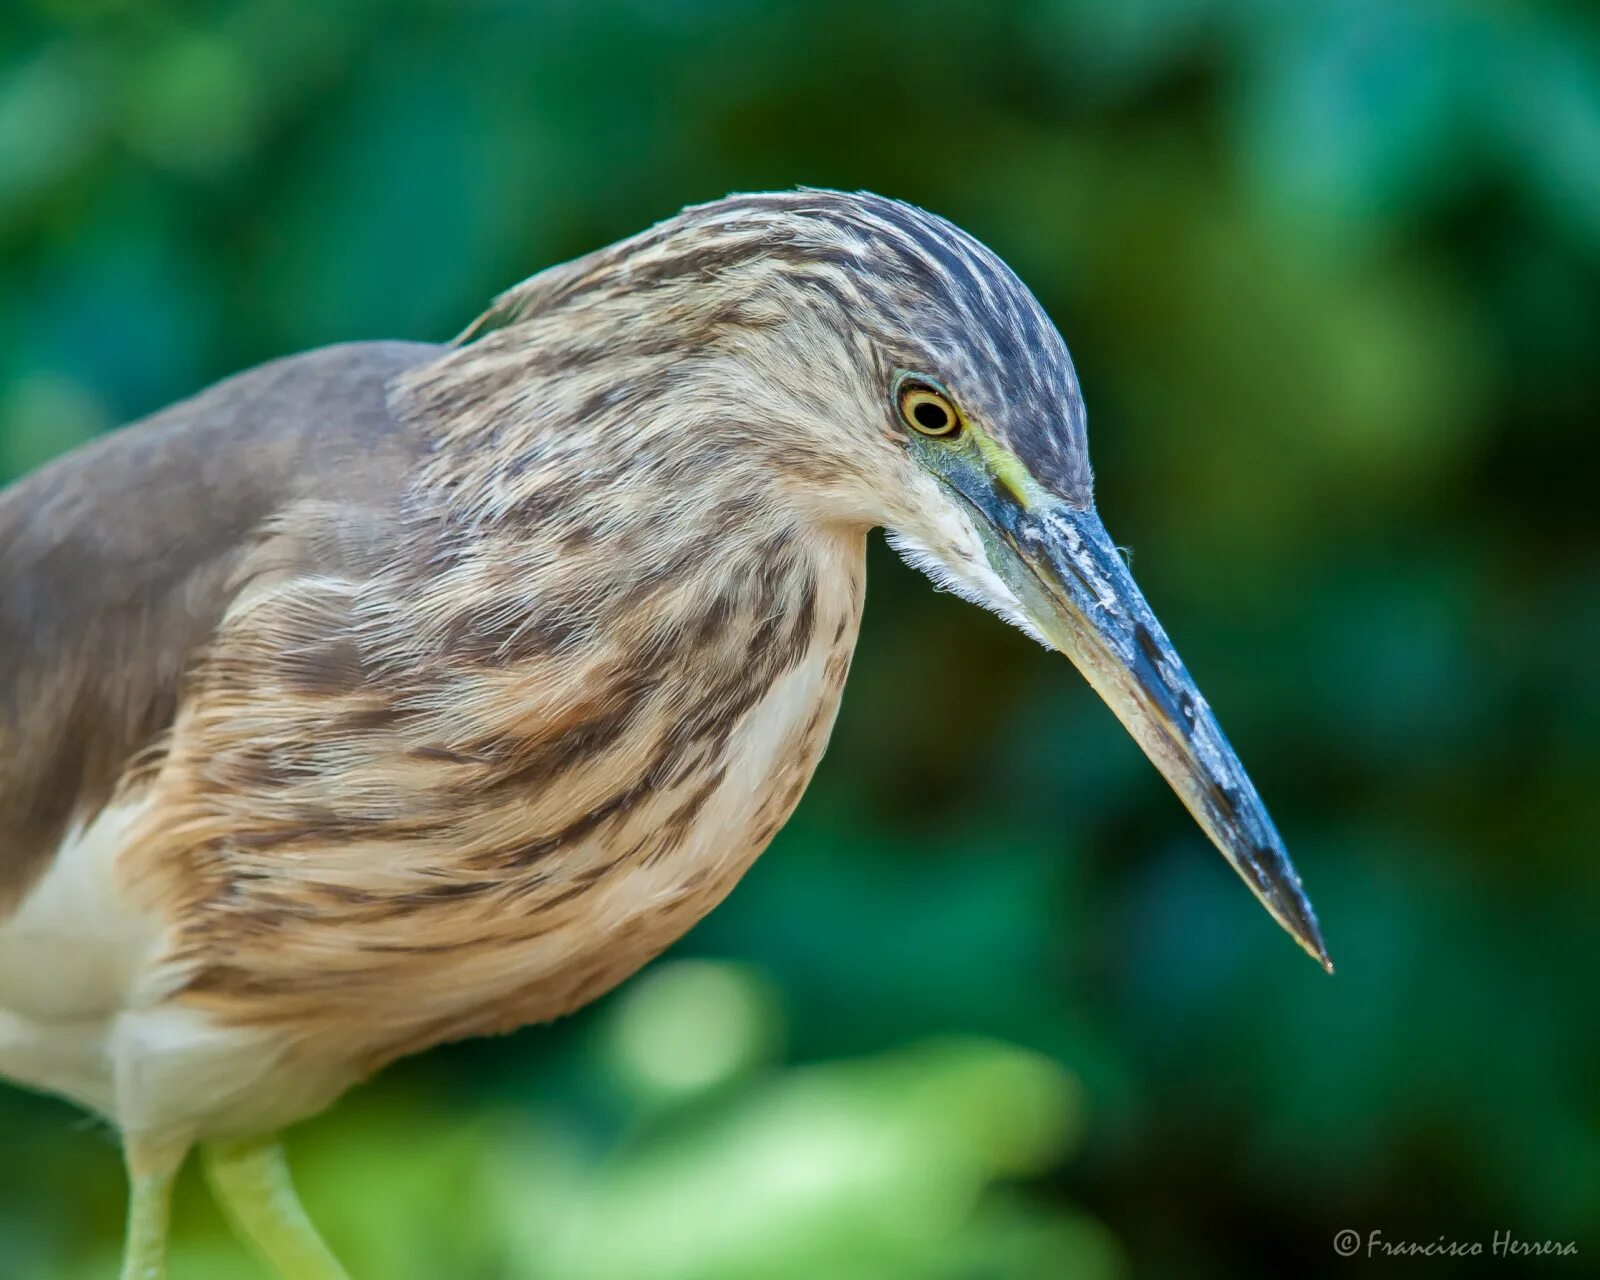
pixel 893 371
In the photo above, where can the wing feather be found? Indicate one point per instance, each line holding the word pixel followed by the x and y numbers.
pixel 118 560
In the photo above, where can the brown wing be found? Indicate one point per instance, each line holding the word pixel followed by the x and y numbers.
pixel 116 563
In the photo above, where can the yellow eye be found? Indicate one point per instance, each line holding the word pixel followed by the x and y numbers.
pixel 928 411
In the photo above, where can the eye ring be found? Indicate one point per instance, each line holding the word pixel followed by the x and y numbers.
pixel 927 410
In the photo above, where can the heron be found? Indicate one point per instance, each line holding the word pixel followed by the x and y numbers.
pixel 394 693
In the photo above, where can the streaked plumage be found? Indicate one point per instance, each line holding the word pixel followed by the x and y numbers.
pixel 392 693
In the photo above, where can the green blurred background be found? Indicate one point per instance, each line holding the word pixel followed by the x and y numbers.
pixel 989 1009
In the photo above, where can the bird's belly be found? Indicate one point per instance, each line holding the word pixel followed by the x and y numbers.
pixel 69 958
pixel 74 947
pixel 81 994
pixel 85 1013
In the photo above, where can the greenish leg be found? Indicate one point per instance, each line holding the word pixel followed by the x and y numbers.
pixel 251 1179
pixel 152 1169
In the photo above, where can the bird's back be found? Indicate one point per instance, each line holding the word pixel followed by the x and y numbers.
pixel 118 560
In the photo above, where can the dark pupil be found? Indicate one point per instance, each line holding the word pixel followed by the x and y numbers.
pixel 931 415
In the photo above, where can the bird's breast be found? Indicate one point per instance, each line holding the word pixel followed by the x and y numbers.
pixel 613 899
pixel 543 832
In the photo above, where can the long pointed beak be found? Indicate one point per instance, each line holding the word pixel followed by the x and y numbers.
pixel 1079 593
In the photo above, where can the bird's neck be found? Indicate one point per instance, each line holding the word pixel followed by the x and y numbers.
pixel 618 547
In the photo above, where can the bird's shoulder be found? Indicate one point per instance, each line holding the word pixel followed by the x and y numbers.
pixel 118 560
